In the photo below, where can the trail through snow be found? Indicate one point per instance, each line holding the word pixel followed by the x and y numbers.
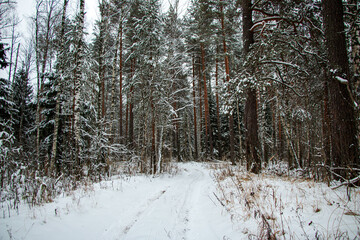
pixel 166 207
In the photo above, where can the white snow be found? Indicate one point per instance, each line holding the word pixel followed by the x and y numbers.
pixel 342 80
pixel 188 205
pixel 166 207
pixel 291 207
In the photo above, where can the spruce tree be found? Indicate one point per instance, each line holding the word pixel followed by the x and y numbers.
pixel 23 111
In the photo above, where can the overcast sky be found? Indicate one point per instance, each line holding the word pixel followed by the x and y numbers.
pixel 26 9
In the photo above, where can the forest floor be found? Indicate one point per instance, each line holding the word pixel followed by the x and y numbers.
pixel 199 201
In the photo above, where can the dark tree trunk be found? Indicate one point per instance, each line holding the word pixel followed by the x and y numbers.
pixel 251 118
pixel 131 113
pixel 121 84
pixel 195 120
pixel 227 72
pixel 344 144
pixel 208 130
pixel 59 92
pixel 200 108
pixel 326 124
pixel 218 109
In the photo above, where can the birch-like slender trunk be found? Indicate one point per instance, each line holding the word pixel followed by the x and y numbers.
pixel 158 168
pixel 59 91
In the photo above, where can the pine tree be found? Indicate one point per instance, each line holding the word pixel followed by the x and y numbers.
pixel 251 118
pixel 344 142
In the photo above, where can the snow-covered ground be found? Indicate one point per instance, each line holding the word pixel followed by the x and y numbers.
pixel 273 207
pixel 166 207
pixel 189 205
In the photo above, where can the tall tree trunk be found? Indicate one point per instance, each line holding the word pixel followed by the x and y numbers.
pixel 131 117
pixel 121 82
pixel 127 118
pixel 77 87
pixel 194 103
pixel 326 125
pixel 131 102
pixel 251 118
pixel 355 42
pixel 13 39
pixel 200 110
pixel 41 61
pixel 153 128
pixel 59 84
pixel 37 51
pixel 239 127
pixel 344 143
pixel 218 108
pixel 102 68
pixel 158 168
pixel 115 60
pixel 227 72
pixel 208 130
pixel 16 62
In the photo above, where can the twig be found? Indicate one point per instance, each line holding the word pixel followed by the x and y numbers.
pixel 219 200
pixel 269 234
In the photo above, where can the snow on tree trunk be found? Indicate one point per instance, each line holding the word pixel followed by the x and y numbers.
pixel 344 143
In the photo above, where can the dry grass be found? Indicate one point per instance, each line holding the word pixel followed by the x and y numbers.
pixel 283 207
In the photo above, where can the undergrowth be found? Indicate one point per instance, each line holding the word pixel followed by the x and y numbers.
pixel 34 189
pixel 278 206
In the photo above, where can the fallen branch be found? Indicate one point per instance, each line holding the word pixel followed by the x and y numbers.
pixel 348 183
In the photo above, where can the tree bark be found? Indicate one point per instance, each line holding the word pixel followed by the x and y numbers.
pixel 200 110
pixel 102 68
pixel 227 72
pixel 77 87
pixel 251 118
pixel 59 83
pixel 326 125
pixel 121 82
pixel 194 103
pixel 344 143
pixel 208 131
pixel 131 102
pixel 218 107
pixel 112 120
pixel 354 8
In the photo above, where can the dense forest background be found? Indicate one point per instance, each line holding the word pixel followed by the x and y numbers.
pixel 256 83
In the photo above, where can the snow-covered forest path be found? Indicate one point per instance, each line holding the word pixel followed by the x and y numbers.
pixel 166 207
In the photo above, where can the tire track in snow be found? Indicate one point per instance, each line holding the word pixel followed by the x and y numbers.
pixel 183 205
pixel 113 232
pixel 180 209
pixel 166 216
pixel 149 202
